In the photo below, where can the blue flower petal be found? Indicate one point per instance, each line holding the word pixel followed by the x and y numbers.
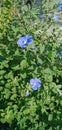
pixel 27 94
pixel 1 59
pixel 41 15
pixel 59 53
pixel 55 17
pixel 34 87
pixel 32 81
pixel 29 39
pixel 39 64
pixel 60 6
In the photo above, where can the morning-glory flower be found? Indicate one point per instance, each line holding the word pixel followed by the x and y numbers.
pixel 60 6
pixel 35 83
pixel 27 93
pixel 55 17
pixel 24 41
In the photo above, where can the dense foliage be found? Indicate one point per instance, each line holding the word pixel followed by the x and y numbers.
pixel 30 65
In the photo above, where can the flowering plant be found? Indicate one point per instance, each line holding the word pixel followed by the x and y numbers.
pixel 30 65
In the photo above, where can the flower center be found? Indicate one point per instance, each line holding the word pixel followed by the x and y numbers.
pixel 35 84
pixel 25 41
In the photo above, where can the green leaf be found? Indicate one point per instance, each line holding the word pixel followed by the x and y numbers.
pixel 24 64
pixel 2 72
pixel 48 71
pixel 50 117
pixel 7 93
pixel 9 116
pixel 15 67
pixel 13 97
pixel 39 60
pixel 42 48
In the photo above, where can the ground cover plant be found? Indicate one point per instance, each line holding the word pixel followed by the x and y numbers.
pixel 30 65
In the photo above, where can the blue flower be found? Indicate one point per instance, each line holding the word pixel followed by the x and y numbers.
pixel 24 41
pixel 55 17
pixel 36 83
pixel 1 59
pixel 27 93
pixel 59 53
pixel 60 6
pixel 38 63
pixel 41 15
